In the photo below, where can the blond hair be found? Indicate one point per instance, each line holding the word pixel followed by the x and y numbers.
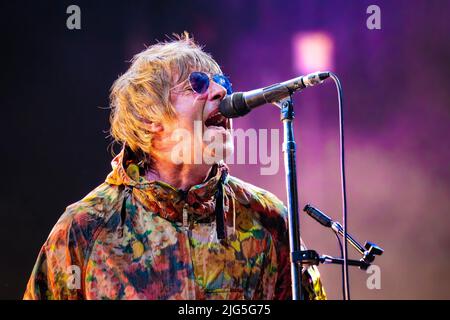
pixel 141 95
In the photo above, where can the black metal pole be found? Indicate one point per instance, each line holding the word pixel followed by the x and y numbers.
pixel 289 148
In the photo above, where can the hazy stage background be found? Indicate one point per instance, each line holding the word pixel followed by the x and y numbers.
pixel 55 83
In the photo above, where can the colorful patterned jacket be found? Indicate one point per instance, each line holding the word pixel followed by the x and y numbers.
pixel 136 239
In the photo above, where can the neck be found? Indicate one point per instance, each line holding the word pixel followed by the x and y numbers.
pixel 180 176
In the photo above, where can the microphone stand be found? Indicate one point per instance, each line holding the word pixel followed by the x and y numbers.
pixel 298 256
pixel 289 149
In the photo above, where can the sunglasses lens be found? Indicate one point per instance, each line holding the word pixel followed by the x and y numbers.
pixel 199 81
pixel 224 82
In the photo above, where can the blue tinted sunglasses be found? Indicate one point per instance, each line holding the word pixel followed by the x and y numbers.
pixel 200 82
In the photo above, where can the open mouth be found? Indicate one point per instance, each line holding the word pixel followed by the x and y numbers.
pixel 216 119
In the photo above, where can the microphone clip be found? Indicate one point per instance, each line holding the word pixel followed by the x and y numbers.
pixel 372 250
pixel 286 106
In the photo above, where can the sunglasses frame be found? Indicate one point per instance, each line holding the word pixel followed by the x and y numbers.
pixel 215 77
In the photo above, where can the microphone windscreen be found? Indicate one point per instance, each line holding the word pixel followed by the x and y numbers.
pixel 234 106
pixel 318 215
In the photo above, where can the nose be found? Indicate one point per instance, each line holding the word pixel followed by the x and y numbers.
pixel 216 91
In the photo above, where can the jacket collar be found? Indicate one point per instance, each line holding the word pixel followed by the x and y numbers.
pixel 164 199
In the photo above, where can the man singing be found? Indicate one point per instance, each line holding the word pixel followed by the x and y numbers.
pixel 163 226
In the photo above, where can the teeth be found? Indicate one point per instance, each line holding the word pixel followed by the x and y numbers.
pixel 216 119
pixel 214 114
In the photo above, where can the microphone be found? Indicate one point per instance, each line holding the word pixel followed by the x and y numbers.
pixel 239 104
pixel 318 215
pixel 326 221
pixel 370 249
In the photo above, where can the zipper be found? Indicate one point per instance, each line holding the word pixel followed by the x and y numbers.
pixel 185 217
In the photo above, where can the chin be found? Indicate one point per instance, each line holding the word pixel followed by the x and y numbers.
pixel 228 150
pixel 214 153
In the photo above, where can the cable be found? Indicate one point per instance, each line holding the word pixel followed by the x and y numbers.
pixel 342 266
pixel 343 186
